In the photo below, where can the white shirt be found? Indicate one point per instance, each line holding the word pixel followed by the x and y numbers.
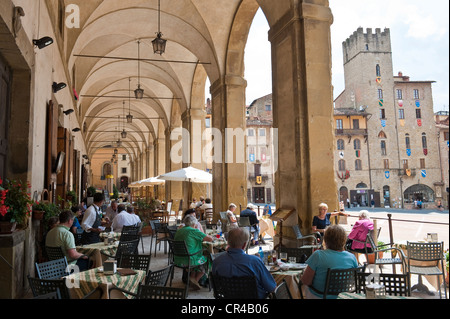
pixel 90 215
pixel 124 219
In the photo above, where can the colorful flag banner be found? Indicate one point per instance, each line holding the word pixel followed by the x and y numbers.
pixel 419 122
pixel 252 157
pixel 378 79
pixel 408 151
pixel 400 103
pixel 417 103
pixel 381 102
pixel 423 172
pixel 402 122
pixel 408 171
pixel 387 174
pixel 358 153
pixel 425 151
pixel 383 123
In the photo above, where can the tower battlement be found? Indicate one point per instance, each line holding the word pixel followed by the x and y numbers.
pixel 366 42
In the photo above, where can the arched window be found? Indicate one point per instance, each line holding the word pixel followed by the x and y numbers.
pixel 383 148
pixel 407 141
pixel 419 192
pixel 378 70
pixel 340 145
pixel 358 165
pixel 361 185
pixel 382 134
pixel 424 141
pixel 357 144
pixel 341 165
pixel 106 170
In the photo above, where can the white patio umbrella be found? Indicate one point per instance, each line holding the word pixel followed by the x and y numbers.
pixel 188 174
pixel 135 184
pixel 151 181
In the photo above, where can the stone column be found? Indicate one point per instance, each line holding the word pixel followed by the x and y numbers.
pixel 160 161
pixel 303 112
pixel 229 161
pixel 193 122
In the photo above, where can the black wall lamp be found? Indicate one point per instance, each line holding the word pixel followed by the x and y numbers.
pixel 67 112
pixel 58 86
pixel 43 42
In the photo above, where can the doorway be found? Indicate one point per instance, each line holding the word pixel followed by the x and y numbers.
pixel 258 195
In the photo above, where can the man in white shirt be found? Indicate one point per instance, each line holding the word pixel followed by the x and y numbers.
pixel 92 221
pixel 124 218
pixel 111 211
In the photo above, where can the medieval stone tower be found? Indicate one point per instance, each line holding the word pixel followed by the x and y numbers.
pixel 402 163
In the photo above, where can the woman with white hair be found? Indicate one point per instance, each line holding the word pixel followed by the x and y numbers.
pixel 359 232
pixel 231 217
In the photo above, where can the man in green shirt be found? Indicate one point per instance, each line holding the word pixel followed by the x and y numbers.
pixel 193 239
pixel 61 236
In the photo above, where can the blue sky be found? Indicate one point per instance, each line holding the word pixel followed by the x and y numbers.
pixel 419 37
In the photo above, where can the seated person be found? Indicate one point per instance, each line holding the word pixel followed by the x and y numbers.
pixel 359 232
pixel 61 236
pixel 207 204
pixel 333 257
pixel 236 263
pixel 191 212
pixel 193 239
pixel 111 211
pixel 322 221
pixel 76 226
pixel 232 220
pixel 253 219
pixel 123 218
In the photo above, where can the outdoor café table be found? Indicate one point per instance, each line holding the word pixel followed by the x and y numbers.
pixel 353 295
pixel 115 235
pixel 85 281
pixel 93 251
pixel 291 276
pixel 217 244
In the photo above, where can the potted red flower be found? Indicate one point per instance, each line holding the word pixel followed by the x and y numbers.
pixel 15 206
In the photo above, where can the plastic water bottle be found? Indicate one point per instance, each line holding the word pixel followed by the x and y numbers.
pixel 219 227
pixel 261 253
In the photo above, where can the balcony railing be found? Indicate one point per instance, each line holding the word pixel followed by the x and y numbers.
pixel 352 132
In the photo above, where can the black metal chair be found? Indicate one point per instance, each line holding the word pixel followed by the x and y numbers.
pixel 234 287
pixel 159 277
pixel 53 269
pixel 51 295
pixel 54 253
pixel 78 235
pixel 301 254
pixel 179 249
pixel 131 232
pixel 125 247
pixel 427 252
pixel 395 284
pixel 339 280
pixel 160 233
pixel 311 237
pixel 282 291
pixel 134 261
pixel 40 287
pixel 372 248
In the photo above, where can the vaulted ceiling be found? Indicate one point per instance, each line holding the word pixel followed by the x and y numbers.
pixel 102 60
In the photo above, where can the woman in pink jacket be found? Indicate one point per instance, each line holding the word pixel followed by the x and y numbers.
pixel 359 232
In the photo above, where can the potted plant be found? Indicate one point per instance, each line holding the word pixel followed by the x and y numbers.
pixel 15 205
pixel 72 197
pixel 371 257
pixel 38 211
